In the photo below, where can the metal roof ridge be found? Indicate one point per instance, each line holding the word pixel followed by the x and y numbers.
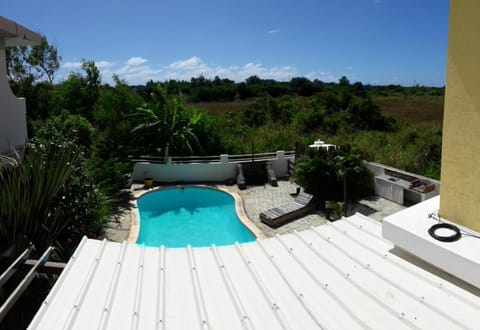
pixel 263 288
pixel 84 288
pixel 444 285
pixel 46 303
pixel 353 224
pixel 201 308
pixel 339 271
pixel 296 293
pixel 380 277
pixel 327 277
pixel 242 313
pixel 160 311
pixel 112 288
pixel 138 289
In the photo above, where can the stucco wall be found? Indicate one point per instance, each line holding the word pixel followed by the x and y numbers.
pixel 460 197
pixel 13 122
pixel 200 172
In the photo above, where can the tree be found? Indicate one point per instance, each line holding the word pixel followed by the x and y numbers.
pixel 79 92
pixel 348 164
pixel 329 175
pixel 33 63
pixel 316 174
pixel 170 122
pixel 92 82
pixel 45 59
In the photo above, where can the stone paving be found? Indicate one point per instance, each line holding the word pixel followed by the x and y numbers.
pixel 117 227
pixel 260 198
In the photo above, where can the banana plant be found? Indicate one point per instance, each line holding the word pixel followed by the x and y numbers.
pixel 173 124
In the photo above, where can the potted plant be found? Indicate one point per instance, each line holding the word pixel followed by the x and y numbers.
pixel 148 183
pixel 333 210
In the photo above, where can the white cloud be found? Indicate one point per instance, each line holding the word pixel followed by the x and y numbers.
pixel 72 65
pixel 194 67
pixel 136 61
pixel 77 65
pixel 192 63
pixel 274 31
pixel 322 75
pixel 104 64
pixel 137 70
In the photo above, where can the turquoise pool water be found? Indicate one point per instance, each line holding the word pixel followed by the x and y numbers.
pixel 190 216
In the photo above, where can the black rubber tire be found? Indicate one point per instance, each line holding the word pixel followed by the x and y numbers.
pixel 452 238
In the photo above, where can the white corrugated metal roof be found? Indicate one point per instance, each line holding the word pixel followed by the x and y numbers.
pixel 338 276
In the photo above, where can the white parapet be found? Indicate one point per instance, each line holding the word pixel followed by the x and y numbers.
pixel 218 170
pixel 408 230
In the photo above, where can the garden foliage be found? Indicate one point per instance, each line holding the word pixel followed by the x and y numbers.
pixel 104 125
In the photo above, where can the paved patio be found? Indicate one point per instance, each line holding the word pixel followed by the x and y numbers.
pixel 260 198
pixel 257 199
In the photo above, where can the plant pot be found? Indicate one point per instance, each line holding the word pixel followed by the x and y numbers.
pixel 148 183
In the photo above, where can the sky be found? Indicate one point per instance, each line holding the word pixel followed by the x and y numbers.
pixel 373 41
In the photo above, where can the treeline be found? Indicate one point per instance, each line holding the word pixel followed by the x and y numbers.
pixel 201 89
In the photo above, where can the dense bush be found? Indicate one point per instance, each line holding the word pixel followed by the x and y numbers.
pixel 334 175
pixel 81 203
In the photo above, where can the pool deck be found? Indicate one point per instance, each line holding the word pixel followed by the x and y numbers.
pixel 255 200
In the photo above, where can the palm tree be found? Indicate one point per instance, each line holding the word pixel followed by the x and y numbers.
pixel 321 172
pixel 173 125
pixel 316 175
pixel 347 162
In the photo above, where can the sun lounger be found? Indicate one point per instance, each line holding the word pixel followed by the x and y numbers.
pixel 282 214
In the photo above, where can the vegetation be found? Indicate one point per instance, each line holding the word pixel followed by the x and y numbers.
pixel 334 175
pixel 70 176
pixel 29 195
pixel 100 126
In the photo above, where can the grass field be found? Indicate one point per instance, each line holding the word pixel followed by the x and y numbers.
pixel 421 112
pixel 414 147
pixel 217 108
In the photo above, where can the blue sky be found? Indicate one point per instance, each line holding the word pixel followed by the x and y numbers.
pixel 372 41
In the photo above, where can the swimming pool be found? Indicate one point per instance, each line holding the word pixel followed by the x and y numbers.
pixel 196 216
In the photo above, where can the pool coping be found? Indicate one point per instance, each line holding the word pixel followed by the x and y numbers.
pixel 239 208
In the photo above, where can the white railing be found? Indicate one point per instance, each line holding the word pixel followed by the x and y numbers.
pixel 204 168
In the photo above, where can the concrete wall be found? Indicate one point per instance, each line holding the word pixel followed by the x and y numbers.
pixel 200 172
pixel 389 191
pixel 13 121
pixel 460 198
pixel 379 169
pixel 394 192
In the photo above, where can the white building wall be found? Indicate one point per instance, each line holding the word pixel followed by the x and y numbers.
pixel 13 121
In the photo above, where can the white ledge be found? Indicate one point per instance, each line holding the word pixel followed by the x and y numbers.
pixel 408 229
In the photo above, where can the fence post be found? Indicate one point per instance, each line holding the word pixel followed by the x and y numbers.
pixel 224 159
